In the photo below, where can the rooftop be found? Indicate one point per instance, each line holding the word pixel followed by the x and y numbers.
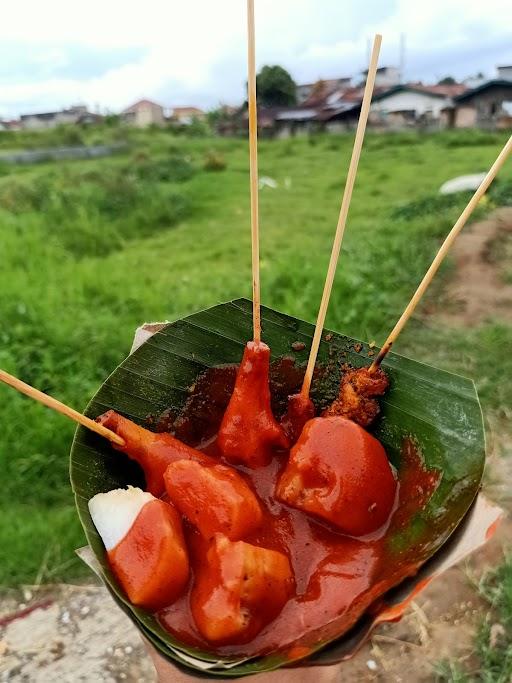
pixel 187 110
pixel 493 83
pixel 140 103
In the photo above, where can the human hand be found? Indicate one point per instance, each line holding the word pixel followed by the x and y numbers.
pixel 168 673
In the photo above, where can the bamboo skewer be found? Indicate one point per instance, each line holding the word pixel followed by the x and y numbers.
pixel 52 403
pixel 253 166
pixel 342 219
pixel 429 275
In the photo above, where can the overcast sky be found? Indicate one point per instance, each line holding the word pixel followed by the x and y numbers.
pixel 108 53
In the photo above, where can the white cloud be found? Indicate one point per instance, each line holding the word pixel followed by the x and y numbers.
pixel 193 51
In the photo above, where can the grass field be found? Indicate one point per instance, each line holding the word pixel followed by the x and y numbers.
pixel 91 249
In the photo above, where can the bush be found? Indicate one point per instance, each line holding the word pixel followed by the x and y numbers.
pixel 430 205
pixel 174 168
pixel 22 194
pixel 375 141
pixel 197 129
pixel 69 135
pixel 92 212
pixel 288 149
pixel 501 192
pixel 469 138
pixel 97 230
pixel 214 161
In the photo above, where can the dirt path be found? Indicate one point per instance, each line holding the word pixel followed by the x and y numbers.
pixel 75 634
pixel 68 634
pixel 477 291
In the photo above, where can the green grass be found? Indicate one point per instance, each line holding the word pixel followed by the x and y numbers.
pixel 91 249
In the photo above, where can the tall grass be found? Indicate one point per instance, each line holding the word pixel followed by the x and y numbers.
pixel 90 249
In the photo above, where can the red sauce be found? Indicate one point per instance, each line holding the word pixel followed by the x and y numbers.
pixel 337 577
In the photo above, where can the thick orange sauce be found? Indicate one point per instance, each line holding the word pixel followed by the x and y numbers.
pixel 337 577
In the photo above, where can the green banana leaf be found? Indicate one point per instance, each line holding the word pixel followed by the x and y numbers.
pixel 438 410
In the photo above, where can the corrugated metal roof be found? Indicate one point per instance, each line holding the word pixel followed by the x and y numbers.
pixel 296 114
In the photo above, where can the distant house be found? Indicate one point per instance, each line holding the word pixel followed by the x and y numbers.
pixel 321 89
pixel 504 73
pixel 386 76
pixel 143 113
pixel 344 116
pixel 184 116
pixel 40 121
pixel 409 104
pixel 489 106
pixel 10 124
pixel 295 121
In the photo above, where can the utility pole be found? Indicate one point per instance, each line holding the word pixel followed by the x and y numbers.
pixel 402 58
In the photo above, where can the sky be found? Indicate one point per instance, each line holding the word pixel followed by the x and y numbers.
pixel 108 53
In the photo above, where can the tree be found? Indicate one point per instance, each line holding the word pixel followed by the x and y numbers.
pixel 447 80
pixel 275 87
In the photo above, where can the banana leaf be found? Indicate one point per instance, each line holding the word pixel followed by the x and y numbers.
pixel 440 411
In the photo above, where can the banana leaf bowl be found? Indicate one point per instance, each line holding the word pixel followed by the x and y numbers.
pixel 438 410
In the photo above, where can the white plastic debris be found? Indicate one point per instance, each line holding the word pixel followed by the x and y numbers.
pixel 265 181
pixel 462 183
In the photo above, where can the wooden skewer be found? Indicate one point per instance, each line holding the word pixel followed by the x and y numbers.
pixel 342 220
pixel 429 275
pixel 60 407
pixel 253 165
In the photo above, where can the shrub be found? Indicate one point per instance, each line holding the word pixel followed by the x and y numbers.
pixel 430 204
pixel 288 149
pixel 174 168
pixel 198 129
pixel 70 135
pixel 469 138
pixel 141 210
pixel 376 141
pixel 214 161
pixel 501 193
pixel 91 212
pixel 22 194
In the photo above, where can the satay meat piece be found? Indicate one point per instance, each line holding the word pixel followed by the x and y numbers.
pixel 249 434
pixel 339 473
pixel 299 410
pixel 153 451
pixel 357 395
pixel 238 589
pixel 215 498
